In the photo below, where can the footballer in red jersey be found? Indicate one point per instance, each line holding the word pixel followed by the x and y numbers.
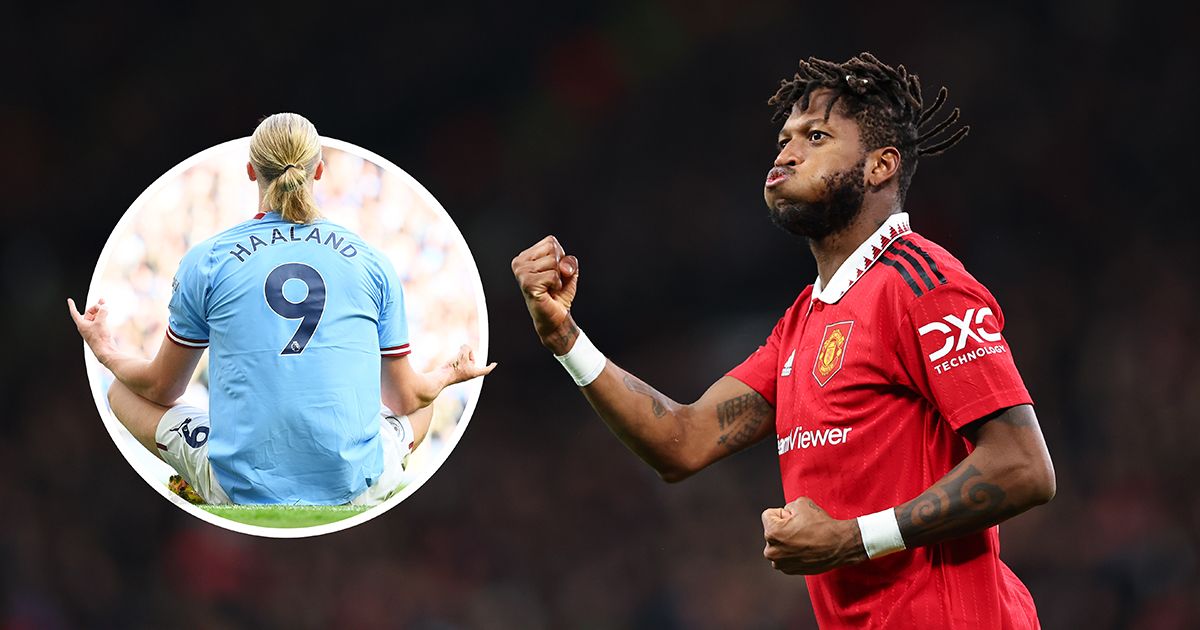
pixel 904 432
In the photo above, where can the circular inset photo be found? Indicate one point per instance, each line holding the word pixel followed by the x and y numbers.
pixel 285 334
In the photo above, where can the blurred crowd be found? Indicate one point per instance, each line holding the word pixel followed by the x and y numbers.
pixel 637 133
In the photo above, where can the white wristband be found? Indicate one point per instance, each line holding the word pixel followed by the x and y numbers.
pixel 583 362
pixel 881 533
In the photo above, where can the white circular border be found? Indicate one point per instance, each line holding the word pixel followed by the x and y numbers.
pixel 473 386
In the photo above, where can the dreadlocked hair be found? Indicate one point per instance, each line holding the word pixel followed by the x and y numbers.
pixel 886 103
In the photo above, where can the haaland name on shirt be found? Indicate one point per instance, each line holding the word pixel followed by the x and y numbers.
pixel 332 240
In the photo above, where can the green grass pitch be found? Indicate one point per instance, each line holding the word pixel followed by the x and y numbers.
pixel 284 515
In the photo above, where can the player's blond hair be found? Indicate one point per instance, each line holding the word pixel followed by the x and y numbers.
pixel 285 150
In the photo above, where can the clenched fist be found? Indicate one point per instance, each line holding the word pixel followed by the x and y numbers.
pixel 548 279
pixel 803 539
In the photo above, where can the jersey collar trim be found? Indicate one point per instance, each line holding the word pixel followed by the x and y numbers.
pixel 861 260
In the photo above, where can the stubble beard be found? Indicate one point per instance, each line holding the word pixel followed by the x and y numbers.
pixel 815 220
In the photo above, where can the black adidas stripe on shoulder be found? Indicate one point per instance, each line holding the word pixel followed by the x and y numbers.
pixel 898 266
pixel 928 259
pixel 915 265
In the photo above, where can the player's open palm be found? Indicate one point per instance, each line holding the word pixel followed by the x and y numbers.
pixel 462 367
pixel 548 279
pixel 93 325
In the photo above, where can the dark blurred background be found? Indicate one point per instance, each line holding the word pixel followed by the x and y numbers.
pixel 638 134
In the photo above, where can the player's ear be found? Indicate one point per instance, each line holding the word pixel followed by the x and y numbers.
pixel 882 165
pixel 250 172
pixel 320 170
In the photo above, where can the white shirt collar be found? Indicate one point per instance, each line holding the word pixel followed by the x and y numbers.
pixel 861 260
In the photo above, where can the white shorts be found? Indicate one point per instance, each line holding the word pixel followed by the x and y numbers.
pixel 182 439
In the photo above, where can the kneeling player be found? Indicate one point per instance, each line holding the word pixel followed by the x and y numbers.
pixel 313 400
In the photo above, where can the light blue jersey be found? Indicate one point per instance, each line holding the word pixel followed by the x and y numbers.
pixel 296 318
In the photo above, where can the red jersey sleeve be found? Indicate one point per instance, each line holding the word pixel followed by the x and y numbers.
pixel 760 369
pixel 952 347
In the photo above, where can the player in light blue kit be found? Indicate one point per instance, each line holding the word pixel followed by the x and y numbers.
pixel 302 318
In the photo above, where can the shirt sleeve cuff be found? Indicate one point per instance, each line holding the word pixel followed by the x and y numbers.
pixel 993 402
pixel 395 351
pixel 186 342
pixel 757 385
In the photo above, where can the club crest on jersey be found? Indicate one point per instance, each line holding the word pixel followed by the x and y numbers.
pixel 832 351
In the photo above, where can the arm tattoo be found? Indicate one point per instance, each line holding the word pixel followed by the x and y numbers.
pixel 562 338
pixel 740 418
pixel 658 405
pixel 960 503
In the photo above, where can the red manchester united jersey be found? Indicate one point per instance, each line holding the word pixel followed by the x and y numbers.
pixel 871 377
